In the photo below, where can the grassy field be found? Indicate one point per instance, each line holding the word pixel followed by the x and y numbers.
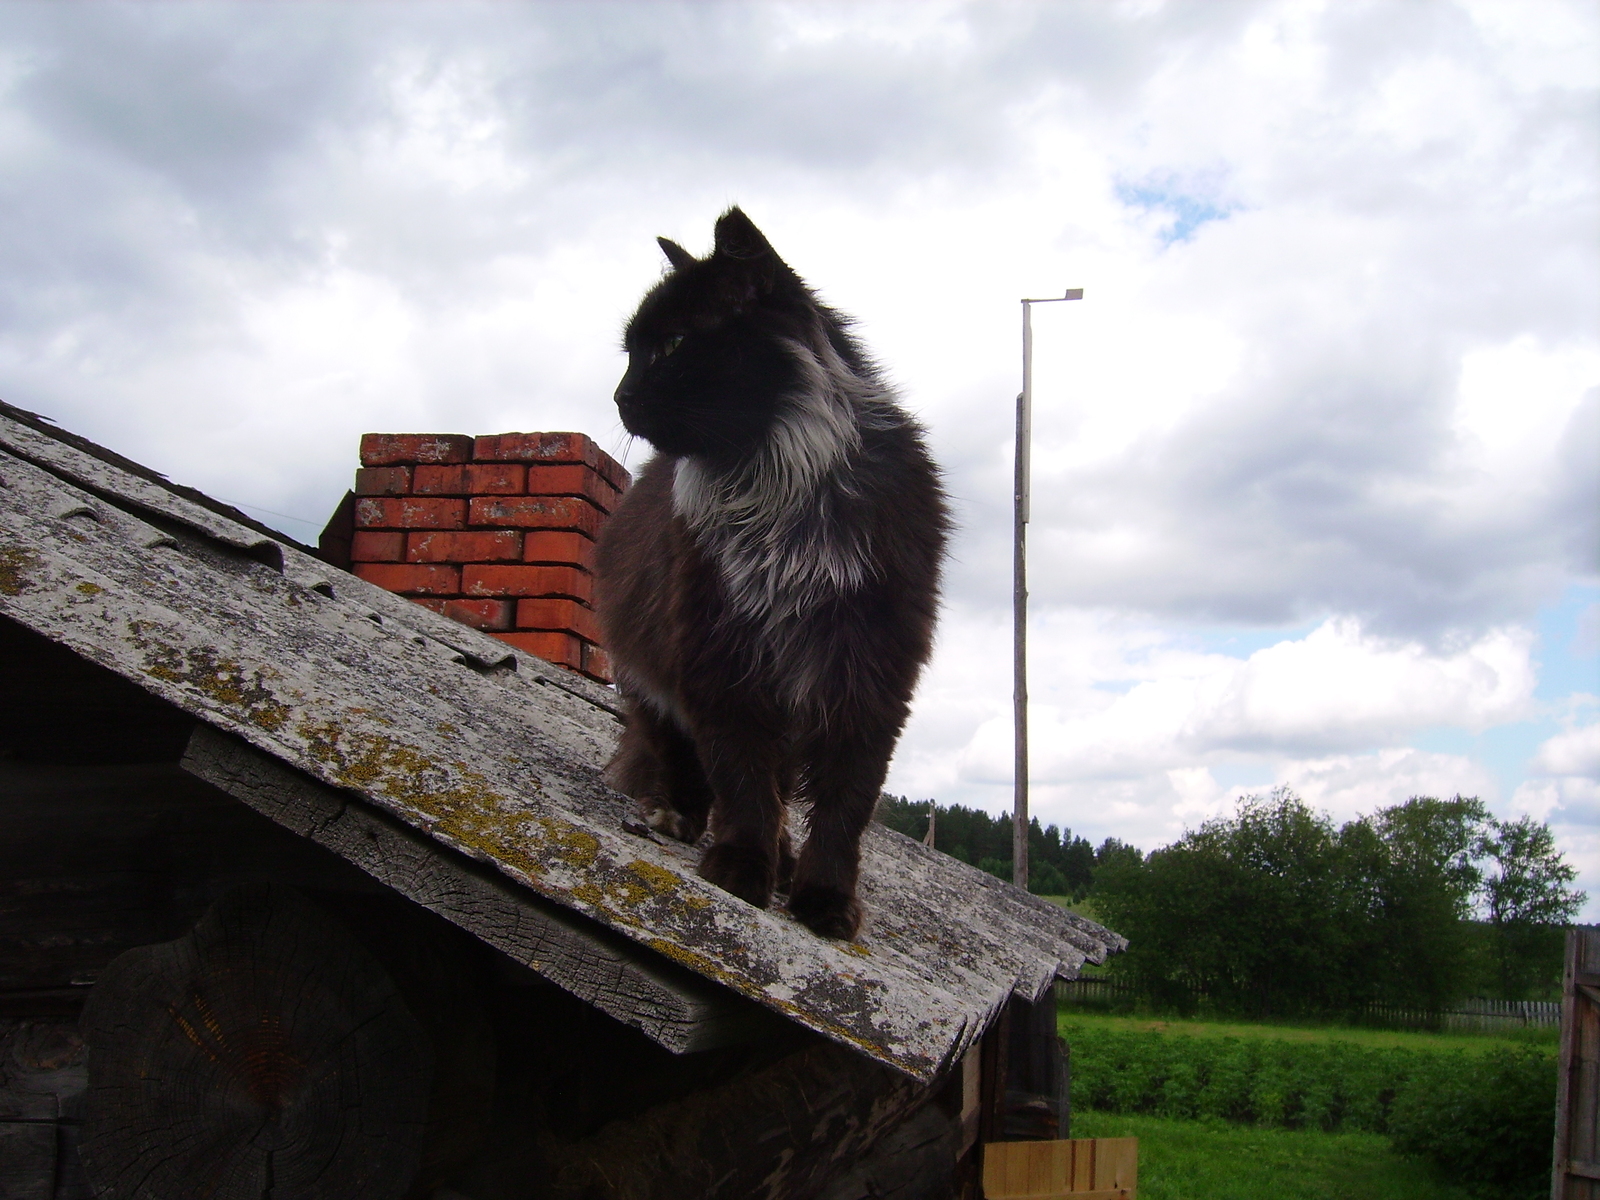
pixel 1197 1160
pixel 1357 1035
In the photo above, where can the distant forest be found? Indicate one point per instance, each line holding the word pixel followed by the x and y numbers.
pixel 1276 910
pixel 1059 863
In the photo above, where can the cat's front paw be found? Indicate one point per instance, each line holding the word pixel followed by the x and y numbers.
pixel 666 820
pixel 826 911
pixel 739 871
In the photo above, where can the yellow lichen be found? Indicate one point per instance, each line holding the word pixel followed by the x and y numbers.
pixel 15 562
pixel 657 880
pixel 221 680
pixel 89 589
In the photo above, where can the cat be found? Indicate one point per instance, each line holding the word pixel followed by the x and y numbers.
pixel 768 587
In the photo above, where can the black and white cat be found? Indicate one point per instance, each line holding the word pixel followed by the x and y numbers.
pixel 768 588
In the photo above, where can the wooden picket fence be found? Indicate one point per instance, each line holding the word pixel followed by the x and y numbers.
pixel 1488 1016
pixel 1477 1014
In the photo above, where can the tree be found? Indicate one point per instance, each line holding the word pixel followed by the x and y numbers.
pixel 1249 911
pixel 1525 896
pixel 1062 865
pixel 1412 867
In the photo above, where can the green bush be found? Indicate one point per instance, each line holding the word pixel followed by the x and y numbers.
pixel 1489 1128
pixel 1318 1085
pixel 1486 1120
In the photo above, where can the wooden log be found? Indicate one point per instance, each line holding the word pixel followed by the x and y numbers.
pixel 782 1132
pixel 95 860
pixel 437 969
pixel 263 1054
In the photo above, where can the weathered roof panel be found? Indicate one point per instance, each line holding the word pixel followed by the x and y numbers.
pixel 488 751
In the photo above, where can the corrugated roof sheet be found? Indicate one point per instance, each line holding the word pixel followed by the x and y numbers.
pixel 485 750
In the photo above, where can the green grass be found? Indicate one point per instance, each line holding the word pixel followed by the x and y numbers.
pixel 1205 1160
pixel 1403 1039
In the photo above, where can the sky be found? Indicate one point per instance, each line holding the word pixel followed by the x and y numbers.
pixel 1316 459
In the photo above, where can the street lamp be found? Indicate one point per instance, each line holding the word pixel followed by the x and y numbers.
pixel 1019 594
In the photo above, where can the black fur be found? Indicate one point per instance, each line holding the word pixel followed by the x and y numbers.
pixel 768 587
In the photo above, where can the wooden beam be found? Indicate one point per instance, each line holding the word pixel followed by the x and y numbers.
pixel 671 1005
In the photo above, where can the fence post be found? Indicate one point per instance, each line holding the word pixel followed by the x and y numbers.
pixel 1575 1171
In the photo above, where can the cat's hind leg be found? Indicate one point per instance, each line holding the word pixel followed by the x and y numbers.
pixel 656 764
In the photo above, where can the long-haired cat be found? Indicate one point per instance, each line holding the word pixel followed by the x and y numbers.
pixel 768 587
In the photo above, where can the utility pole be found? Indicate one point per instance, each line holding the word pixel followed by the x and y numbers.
pixel 1019 594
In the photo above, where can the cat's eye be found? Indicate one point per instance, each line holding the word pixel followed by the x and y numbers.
pixel 671 344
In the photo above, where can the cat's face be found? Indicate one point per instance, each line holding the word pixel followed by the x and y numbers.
pixel 708 371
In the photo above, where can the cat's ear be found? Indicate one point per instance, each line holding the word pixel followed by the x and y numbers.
pixel 676 254
pixel 746 256
pixel 737 237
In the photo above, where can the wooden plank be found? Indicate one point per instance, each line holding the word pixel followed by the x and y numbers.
pixel 28 1160
pixel 1078 1169
pixel 1577 1126
pixel 496 756
pixel 673 1006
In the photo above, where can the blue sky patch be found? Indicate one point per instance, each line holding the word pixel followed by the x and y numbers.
pixel 1187 212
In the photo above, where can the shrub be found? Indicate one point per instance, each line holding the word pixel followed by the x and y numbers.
pixel 1489 1128
pixel 1317 1085
pixel 1486 1120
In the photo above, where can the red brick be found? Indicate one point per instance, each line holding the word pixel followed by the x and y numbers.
pixel 483 545
pixel 409 512
pixel 534 512
pixel 570 480
pixel 480 614
pixel 471 479
pixel 440 480
pixel 395 449
pixel 560 648
pixel 431 605
pixel 383 481
pixel 412 578
pixel 550 448
pixel 549 613
pixel 554 546
pixel 597 663
pixel 490 580
pixel 367 546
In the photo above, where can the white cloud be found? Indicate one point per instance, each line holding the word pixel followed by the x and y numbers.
pixel 1575 752
pixel 1133 731
pixel 1336 689
pixel 1349 785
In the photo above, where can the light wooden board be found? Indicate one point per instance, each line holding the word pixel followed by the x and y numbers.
pixel 1076 1169
pixel 489 752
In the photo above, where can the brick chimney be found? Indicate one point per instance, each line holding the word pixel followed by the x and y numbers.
pixel 495 531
